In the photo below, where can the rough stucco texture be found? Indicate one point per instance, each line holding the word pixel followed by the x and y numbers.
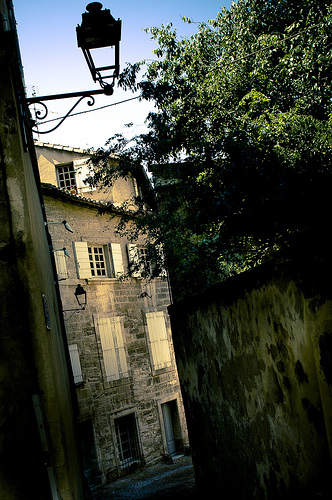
pixel 251 367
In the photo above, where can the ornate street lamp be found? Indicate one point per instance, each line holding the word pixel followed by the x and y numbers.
pixel 98 30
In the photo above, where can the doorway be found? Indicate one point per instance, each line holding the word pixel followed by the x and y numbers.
pixel 89 453
pixel 172 427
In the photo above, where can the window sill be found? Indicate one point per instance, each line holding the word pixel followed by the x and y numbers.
pixel 102 279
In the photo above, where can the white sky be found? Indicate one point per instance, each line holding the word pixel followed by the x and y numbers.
pixel 53 63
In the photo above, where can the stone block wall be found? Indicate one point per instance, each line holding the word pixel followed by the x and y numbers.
pixel 140 394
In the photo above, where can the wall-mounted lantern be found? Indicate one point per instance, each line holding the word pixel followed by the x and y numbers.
pixel 80 295
pixel 98 30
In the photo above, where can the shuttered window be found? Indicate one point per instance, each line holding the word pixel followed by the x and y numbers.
pixel 75 363
pixel 158 340
pixel 93 261
pixel 114 353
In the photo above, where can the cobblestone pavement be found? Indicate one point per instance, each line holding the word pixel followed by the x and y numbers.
pixel 161 481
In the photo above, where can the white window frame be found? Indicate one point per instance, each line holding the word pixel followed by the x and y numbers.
pixel 110 331
pixel 97 260
pixel 158 341
pixel 75 363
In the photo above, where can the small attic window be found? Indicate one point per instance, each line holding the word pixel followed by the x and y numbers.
pixel 66 176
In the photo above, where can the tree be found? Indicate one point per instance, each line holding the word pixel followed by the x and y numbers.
pixel 239 147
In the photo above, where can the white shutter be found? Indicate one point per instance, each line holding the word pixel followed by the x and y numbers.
pixel 82 171
pixel 133 260
pixel 116 328
pixel 117 259
pixel 61 265
pixel 158 340
pixel 114 355
pixel 75 363
pixel 82 259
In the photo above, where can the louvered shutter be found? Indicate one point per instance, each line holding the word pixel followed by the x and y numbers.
pixel 117 259
pixel 82 259
pixel 75 363
pixel 61 265
pixel 158 340
pixel 114 356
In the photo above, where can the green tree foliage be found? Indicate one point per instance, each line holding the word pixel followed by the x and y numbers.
pixel 239 147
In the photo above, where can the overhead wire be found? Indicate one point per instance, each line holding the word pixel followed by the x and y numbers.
pixel 89 110
pixel 214 66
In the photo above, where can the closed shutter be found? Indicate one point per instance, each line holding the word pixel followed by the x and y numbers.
pixel 61 265
pixel 158 340
pixel 114 355
pixel 75 363
pixel 82 259
pixel 117 259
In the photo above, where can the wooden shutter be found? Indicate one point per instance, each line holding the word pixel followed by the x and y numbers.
pixel 75 363
pixel 158 340
pixel 82 259
pixel 114 355
pixel 82 171
pixel 117 259
pixel 134 263
pixel 61 265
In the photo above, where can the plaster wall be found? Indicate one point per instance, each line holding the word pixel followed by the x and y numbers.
pixel 254 364
pixel 50 155
pixel 33 359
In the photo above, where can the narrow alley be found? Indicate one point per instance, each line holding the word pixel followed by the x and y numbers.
pixel 161 481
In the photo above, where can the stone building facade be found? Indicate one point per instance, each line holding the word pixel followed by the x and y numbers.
pixel 130 406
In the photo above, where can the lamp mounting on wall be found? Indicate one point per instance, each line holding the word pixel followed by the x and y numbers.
pixel 64 250
pixel 98 30
pixel 64 222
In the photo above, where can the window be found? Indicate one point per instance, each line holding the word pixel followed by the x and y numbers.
pixel 158 341
pixel 75 363
pixel 66 176
pixel 114 353
pixel 72 175
pixel 98 261
pixel 127 440
pixel 145 262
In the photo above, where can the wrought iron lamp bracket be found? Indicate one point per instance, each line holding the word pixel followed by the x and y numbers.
pixel 107 89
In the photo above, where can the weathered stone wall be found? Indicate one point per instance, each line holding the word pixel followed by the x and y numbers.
pixel 144 390
pixel 254 361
